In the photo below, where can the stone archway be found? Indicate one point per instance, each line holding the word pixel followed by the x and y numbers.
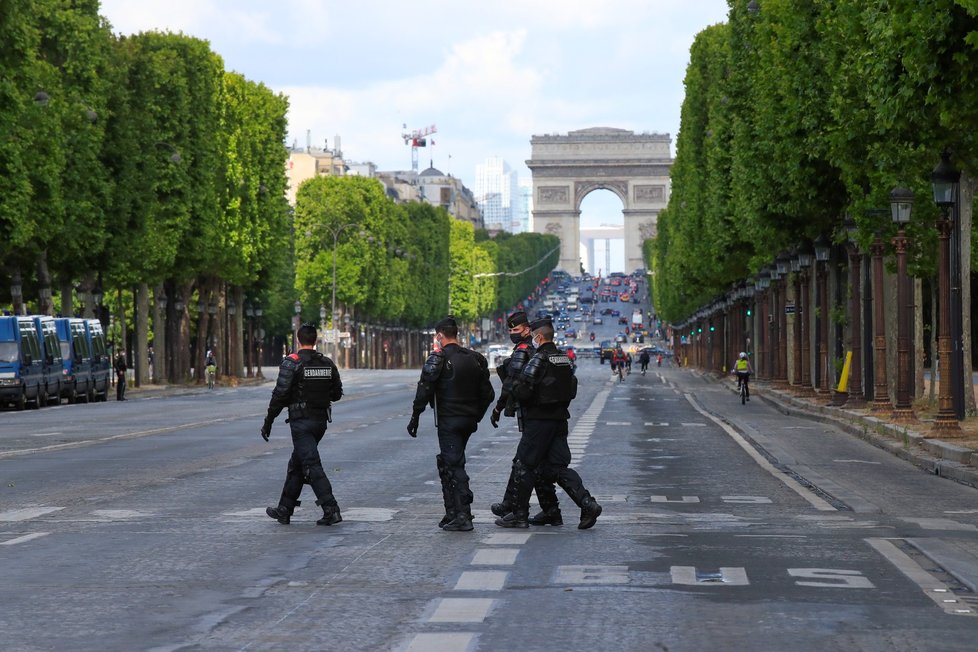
pixel 566 168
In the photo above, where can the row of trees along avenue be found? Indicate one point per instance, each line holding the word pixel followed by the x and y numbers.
pixel 799 114
pixel 138 169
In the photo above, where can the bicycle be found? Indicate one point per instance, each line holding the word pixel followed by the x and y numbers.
pixel 211 373
pixel 742 387
pixel 621 373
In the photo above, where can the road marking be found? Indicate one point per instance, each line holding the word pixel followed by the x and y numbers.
pixel 495 556
pixel 940 524
pixel 618 423
pixel 832 578
pixel 461 610
pixel 693 425
pixel 447 642
pixel 481 581
pixel 591 575
pixel 689 500
pixel 815 501
pixel 729 576
pixel 25 538
pixel 653 423
pixel 962 511
pixel 118 513
pixel 45 434
pixel 507 539
pixel 746 500
pixel 932 587
pixel 359 514
pixel 26 513
pixel 856 462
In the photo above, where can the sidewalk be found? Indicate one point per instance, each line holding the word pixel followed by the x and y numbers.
pixel 954 458
pixel 150 390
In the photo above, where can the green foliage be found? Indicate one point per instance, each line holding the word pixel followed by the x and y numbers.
pixel 802 113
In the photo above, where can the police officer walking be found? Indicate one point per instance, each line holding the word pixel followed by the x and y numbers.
pixel 308 382
pixel 455 381
pixel 509 372
pixel 544 389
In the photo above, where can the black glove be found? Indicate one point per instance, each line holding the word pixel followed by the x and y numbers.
pixel 266 429
pixel 412 426
pixel 494 418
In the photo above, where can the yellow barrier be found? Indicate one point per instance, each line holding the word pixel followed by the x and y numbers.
pixel 844 377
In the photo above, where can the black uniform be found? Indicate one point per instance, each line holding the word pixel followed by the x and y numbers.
pixel 510 372
pixel 308 382
pixel 544 390
pixel 120 377
pixel 455 381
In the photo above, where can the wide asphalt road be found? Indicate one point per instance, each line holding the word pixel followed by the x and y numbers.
pixel 141 526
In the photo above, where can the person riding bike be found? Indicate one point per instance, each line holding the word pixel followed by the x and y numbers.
pixel 743 370
pixel 644 360
pixel 210 366
pixel 618 362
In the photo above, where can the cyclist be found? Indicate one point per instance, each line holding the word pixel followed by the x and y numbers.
pixel 211 367
pixel 743 370
pixel 618 363
pixel 644 361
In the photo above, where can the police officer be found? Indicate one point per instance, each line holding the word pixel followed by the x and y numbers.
pixel 544 389
pixel 308 382
pixel 455 381
pixel 509 372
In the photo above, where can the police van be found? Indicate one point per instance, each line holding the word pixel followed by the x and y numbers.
pixel 21 364
pixel 76 356
pixel 101 364
pixel 54 371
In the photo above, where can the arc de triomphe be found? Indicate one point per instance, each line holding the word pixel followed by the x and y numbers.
pixel 566 168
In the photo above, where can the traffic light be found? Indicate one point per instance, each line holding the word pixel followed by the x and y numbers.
pixel 749 312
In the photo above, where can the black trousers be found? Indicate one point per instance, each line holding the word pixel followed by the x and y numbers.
pixel 543 457
pixel 305 465
pixel 120 386
pixel 453 436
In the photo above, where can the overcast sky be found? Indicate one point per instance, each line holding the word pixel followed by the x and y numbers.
pixel 488 75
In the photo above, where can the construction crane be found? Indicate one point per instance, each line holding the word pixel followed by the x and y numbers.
pixel 417 138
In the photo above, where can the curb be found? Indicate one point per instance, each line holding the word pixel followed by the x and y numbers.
pixel 941 458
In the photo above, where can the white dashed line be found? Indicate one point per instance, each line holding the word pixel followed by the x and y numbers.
pixel 481 581
pixel 27 513
pixel 448 642
pixel 495 556
pixel 25 538
pixel 461 610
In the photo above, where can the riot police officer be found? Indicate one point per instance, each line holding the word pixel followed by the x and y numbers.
pixel 455 381
pixel 308 382
pixel 544 389
pixel 509 372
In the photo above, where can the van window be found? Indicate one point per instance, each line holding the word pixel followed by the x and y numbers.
pixel 80 342
pixel 8 352
pixel 51 346
pixel 28 340
pixel 98 344
pixel 66 350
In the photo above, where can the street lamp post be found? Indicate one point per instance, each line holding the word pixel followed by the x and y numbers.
pixel 823 247
pixel 335 232
pixel 856 398
pixel 881 392
pixel 944 182
pixel 805 256
pixel 249 312
pixel 296 320
pixel 259 339
pixel 783 263
pixel 901 204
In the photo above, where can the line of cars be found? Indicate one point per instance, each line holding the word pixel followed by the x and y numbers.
pixel 46 359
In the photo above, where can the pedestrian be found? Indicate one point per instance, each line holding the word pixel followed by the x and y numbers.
pixel 120 376
pixel 455 382
pixel 308 384
pixel 644 360
pixel 545 388
pixel 509 372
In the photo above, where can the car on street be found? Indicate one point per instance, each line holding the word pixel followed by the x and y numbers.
pixel 623 320
pixel 616 313
pixel 597 321
pixel 570 333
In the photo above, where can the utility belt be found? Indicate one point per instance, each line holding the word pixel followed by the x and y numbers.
pixel 302 410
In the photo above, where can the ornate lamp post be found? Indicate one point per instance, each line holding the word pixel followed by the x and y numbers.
pixel 823 247
pixel 805 257
pixel 231 365
pixel 901 204
pixel 322 322
pixel 259 339
pixel 159 339
pixel 763 332
pixel 297 307
pixel 795 266
pixel 856 398
pixel 249 312
pixel 944 182
pixel 783 264
pixel 881 392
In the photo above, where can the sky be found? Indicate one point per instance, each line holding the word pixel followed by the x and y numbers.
pixel 487 75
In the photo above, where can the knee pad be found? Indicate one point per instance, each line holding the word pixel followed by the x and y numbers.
pixel 313 473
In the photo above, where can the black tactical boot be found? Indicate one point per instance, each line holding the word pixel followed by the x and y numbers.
pixel 331 511
pixel 462 522
pixel 501 509
pixel 282 513
pixel 516 518
pixel 446 492
pixel 547 517
pixel 590 511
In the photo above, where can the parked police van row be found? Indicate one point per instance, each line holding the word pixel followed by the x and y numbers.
pixel 46 359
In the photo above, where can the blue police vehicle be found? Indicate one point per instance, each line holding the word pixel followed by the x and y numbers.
pixel 21 363
pixel 76 355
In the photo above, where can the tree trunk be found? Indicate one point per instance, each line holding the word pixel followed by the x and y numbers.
pixel 237 333
pixel 159 338
pixel 968 183
pixel 183 336
pixel 121 318
pixel 67 304
pixel 917 360
pixel 141 354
